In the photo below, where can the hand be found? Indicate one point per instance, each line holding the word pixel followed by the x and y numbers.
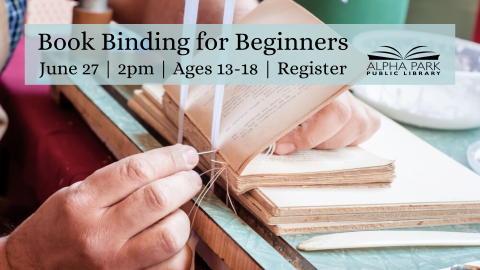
pixel 344 122
pixel 124 216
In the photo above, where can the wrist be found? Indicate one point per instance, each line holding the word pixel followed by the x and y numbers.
pixel 4 265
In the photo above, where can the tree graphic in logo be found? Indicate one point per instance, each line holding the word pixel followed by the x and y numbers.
pixel 408 56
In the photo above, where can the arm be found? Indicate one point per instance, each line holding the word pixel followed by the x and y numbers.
pixel 171 12
pixel 124 216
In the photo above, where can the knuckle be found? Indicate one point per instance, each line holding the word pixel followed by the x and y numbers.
pixel 376 121
pixel 363 123
pixel 138 169
pixel 189 176
pixel 172 160
pixel 156 198
pixel 310 141
pixel 342 111
pixel 171 239
pixel 71 201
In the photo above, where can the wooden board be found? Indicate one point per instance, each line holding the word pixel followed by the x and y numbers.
pixel 306 228
pixel 427 179
pixel 154 95
pixel 140 109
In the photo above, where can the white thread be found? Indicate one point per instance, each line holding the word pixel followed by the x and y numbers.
pixel 204 192
pixel 268 153
pixel 189 17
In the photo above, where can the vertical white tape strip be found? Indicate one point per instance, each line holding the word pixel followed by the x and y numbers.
pixel 217 115
pixel 217 106
pixel 189 17
pixel 228 11
pixel 191 12
pixel 219 89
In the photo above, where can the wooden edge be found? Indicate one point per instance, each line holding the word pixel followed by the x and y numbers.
pixel 219 241
pixel 210 232
pixel 329 227
pixel 152 97
pixel 288 211
pixel 137 108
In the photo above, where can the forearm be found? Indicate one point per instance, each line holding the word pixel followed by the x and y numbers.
pixel 3 254
pixel 171 12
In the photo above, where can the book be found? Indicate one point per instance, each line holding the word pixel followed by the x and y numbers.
pixel 314 191
pixel 430 189
pixel 253 119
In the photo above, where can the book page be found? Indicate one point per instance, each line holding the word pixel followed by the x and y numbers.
pixel 310 161
pixel 254 117
pixel 424 175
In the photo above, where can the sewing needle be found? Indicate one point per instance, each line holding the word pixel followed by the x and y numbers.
pixel 207 152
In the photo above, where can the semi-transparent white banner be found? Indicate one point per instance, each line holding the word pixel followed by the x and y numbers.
pixel 240 54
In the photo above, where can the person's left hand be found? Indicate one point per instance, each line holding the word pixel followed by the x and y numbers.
pixel 344 122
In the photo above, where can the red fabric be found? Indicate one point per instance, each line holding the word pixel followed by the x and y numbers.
pixel 55 147
pixel 476 27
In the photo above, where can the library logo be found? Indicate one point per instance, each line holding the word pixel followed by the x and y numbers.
pixel 416 62
pixel 408 56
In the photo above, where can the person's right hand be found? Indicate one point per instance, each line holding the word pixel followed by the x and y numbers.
pixel 124 216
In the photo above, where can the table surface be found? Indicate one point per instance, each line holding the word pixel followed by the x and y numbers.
pixel 453 143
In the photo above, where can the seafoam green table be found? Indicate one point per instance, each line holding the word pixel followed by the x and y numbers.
pixel 453 143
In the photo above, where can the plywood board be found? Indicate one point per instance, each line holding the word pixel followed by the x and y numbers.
pixel 306 228
pixel 427 179
pixel 148 109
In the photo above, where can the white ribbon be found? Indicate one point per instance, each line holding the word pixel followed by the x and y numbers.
pixel 189 17
pixel 219 89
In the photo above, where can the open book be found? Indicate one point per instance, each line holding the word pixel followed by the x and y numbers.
pixel 430 188
pixel 255 117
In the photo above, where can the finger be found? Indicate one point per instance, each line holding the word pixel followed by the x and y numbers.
pixel 113 183
pixel 374 126
pixel 180 261
pixel 152 202
pixel 356 127
pixel 318 128
pixel 157 243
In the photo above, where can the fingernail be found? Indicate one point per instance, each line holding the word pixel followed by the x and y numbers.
pixel 190 156
pixel 197 178
pixel 285 148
